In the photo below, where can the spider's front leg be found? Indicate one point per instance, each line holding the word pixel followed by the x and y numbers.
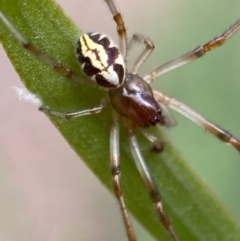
pixel 193 54
pixel 74 114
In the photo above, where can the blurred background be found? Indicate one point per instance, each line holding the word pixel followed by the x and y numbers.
pixel 45 186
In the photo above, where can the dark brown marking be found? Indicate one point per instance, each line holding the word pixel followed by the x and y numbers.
pixel 120 25
pixel 89 69
pixel 64 71
pixel 31 48
pixel 118 68
pixel 223 135
pixel 112 54
pixel 158 147
pixel 103 82
pixel 79 53
pixel 104 41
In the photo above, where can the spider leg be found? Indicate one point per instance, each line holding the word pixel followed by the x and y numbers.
pixel 214 129
pixel 145 54
pixel 122 34
pixel 40 55
pixel 152 189
pixel 75 114
pixel 157 144
pixel 193 54
pixel 116 171
pixel 169 120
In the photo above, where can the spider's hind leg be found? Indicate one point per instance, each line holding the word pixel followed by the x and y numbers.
pixel 30 47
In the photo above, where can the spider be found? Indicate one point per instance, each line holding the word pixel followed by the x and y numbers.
pixel 134 102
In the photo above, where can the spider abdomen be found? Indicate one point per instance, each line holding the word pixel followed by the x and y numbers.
pixel 134 100
pixel 101 60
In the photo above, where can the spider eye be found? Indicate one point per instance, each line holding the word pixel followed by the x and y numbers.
pixel 101 60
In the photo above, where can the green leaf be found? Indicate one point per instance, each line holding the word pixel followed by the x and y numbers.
pixel 195 213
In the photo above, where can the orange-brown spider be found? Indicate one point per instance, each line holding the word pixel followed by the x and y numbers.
pixel 132 98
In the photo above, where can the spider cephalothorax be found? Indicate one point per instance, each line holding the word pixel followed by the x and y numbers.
pixel 135 101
